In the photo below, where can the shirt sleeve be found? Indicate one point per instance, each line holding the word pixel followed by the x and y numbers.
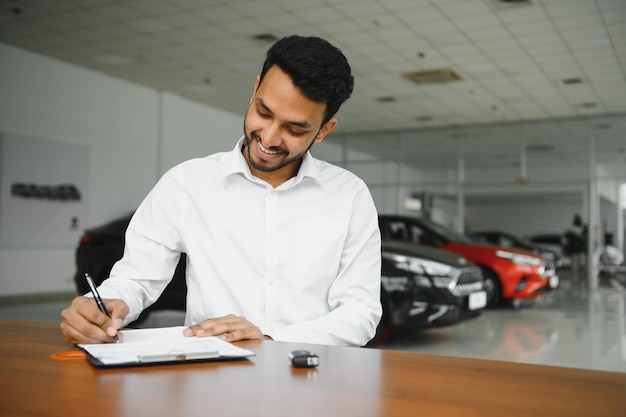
pixel 151 252
pixel 354 296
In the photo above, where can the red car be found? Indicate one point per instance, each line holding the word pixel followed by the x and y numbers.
pixel 510 274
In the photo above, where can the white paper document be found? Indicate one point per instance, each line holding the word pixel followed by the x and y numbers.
pixel 161 345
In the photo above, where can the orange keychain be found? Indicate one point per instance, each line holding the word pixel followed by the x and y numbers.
pixel 69 355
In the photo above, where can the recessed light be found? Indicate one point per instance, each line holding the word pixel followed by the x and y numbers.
pixel 508 4
pixel 570 81
pixel 439 75
pixel 265 37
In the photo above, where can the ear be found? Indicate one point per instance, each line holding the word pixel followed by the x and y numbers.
pixel 256 86
pixel 325 130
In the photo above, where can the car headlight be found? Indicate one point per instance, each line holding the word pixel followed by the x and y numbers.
pixel 520 259
pixel 425 270
pixel 392 284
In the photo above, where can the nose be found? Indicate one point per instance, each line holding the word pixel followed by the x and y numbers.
pixel 270 135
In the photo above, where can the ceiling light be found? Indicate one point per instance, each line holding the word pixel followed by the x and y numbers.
pixel 265 37
pixel 570 81
pixel 439 75
pixel 508 4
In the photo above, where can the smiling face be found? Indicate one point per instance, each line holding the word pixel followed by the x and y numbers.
pixel 280 126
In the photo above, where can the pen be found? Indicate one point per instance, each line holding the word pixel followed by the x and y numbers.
pixel 98 299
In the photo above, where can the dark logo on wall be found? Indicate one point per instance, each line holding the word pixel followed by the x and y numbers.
pixel 63 192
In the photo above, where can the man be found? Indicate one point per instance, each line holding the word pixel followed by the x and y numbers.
pixel 279 245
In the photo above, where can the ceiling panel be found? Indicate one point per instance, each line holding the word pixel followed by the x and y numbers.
pixel 513 59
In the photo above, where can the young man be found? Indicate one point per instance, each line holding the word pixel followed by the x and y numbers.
pixel 279 245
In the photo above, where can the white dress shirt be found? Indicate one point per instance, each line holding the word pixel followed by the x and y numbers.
pixel 301 261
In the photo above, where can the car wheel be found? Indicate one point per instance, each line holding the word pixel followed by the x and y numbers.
pixel 493 288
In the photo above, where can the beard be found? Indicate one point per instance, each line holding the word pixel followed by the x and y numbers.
pixel 261 165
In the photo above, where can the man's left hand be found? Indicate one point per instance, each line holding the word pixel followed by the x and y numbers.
pixel 229 328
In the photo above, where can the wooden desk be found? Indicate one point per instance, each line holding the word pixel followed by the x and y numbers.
pixel 349 382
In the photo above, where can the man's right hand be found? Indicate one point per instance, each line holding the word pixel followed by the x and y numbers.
pixel 83 322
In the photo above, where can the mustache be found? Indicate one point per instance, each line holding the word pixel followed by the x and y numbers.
pixel 257 137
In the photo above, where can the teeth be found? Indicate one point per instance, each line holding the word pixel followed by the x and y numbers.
pixel 264 149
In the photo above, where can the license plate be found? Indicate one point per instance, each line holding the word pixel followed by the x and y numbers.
pixel 554 281
pixel 477 300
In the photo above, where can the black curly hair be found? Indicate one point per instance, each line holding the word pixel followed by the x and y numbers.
pixel 315 66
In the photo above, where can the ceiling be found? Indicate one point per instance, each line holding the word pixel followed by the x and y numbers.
pixel 559 66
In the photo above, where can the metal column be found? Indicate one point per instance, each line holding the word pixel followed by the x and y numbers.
pixel 461 184
pixel 593 233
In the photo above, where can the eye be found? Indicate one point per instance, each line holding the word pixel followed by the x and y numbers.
pixel 263 114
pixel 296 132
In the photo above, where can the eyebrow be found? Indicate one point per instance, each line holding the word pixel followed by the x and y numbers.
pixel 303 125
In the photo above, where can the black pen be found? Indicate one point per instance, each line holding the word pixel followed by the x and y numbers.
pixel 98 299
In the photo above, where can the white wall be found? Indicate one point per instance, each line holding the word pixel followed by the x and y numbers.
pixel 525 218
pixel 134 134
pixel 192 130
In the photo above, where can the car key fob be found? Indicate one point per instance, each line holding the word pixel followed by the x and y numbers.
pixel 304 359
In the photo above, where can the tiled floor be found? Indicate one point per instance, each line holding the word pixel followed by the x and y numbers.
pixel 571 328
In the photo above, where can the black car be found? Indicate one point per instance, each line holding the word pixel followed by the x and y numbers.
pixel 99 248
pixel 507 240
pixel 510 274
pixel 421 286
pixel 427 287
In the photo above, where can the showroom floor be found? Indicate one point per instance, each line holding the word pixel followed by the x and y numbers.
pixel 570 328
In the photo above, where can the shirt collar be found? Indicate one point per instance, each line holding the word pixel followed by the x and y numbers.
pixel 236 164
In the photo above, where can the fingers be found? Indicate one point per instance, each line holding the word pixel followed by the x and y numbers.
pixel 230 328
pixel 118 310
pixel 83 322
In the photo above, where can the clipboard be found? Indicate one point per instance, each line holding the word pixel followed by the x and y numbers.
pixel 165 345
